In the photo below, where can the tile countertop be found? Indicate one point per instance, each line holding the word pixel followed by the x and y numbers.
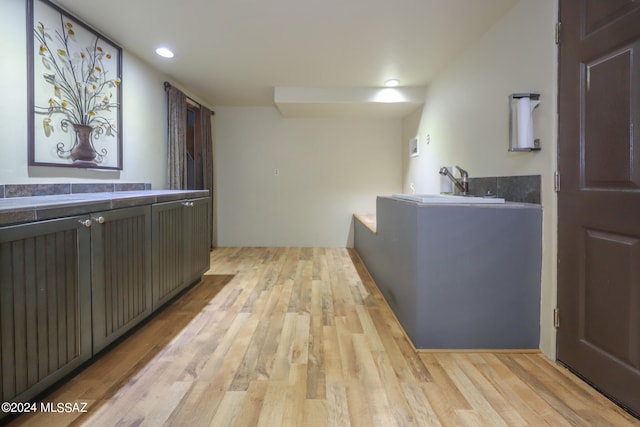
pixel 18 210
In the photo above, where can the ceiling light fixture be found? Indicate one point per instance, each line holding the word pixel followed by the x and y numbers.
pixel 164 52
pixel 392 83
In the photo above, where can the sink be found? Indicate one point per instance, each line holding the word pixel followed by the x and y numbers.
pixel 448 199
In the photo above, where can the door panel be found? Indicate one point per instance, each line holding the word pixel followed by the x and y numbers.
pixel 611 262
pixel 45 305
pixel 599 202
pixel 198 246
pixel 611 99
pixel 168 221
pixel 121 272
pixel 599 13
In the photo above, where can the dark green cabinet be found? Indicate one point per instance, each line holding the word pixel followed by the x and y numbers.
pixel 45 304
pixel 180 246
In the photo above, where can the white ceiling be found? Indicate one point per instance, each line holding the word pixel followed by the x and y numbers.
pixel 235 52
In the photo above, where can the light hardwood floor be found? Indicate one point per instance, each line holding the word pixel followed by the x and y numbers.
pixel 302 337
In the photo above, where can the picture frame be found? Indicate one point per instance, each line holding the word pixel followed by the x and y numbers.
pixel 74 92
pixel 414 147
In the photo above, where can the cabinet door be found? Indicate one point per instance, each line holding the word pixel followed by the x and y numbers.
pixel 180 246
pixel 45 304
pixel 121 271
pixel 168 250
pixel 198 246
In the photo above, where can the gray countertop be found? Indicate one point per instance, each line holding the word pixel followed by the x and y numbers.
pixel 507 204
pixel 18 210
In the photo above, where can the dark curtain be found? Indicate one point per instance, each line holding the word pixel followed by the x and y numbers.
pixel 177 138
pixel 207 159
pixel 177 146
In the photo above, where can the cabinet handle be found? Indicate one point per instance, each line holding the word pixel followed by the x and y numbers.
pixel 87 222
pixel 100 220
pixel 190 204
pixel 187 204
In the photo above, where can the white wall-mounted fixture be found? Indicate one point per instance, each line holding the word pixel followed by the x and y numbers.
pixel 392 83
pixel 414 147
pixel 521 107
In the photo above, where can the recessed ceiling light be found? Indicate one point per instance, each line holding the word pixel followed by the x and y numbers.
pixel 392 83
pixel 164 52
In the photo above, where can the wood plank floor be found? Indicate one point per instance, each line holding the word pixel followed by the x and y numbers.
pixel 302 337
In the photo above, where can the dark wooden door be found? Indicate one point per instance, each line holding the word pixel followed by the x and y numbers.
pixel 193 158
pixel 599 199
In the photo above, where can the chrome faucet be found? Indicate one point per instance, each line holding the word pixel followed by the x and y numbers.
pixel 462 184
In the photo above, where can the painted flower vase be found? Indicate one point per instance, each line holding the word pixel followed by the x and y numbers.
pixel 82 151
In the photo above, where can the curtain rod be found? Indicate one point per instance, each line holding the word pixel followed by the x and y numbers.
pixel 167 85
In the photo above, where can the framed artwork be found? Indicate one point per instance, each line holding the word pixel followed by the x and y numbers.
pixel 74 92
pixel 414 147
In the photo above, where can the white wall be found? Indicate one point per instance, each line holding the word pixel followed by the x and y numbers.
pixel 466 115
pixel 143 127
pixel 329 168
